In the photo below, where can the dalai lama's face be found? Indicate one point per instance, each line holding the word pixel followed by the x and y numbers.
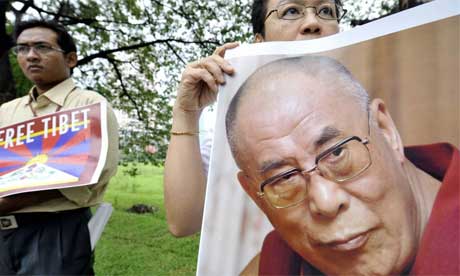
pixel 361 226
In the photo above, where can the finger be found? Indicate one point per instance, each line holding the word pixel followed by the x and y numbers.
pixel 201 74
pixel 221 50
pixel 190 71
pixel 215 69
pixel 195 64
pixel 216 65
pixel 223 64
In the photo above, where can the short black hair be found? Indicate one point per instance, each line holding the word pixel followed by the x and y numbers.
pixel 259 10
pixel 64 39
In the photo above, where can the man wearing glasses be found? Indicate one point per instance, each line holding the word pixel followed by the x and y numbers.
pixel 272 20
pixel 46 232
pixel 329 170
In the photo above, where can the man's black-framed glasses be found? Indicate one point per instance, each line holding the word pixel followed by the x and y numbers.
pixel 343 161
pixel 40 48
pixel 295 10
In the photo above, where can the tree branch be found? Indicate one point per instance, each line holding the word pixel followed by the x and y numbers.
pixel 72 20
pixel 175 53
pixel 123 87
pixel 103 54
pixel 19 13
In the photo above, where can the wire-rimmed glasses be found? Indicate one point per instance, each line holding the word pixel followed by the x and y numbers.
pixel 343 161
pixel 294 11
pixel 40 48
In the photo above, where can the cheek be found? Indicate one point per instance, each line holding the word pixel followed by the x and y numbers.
pixel 386 192
pixel 52 63
pixel 280 32
pixel 22 63
pixel 393 205
pixel 384 179
pixel 390 198
pixel 55 67
pixel 330 29
pixel 292 224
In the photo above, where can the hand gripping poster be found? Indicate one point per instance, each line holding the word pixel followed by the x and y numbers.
pixel 55 151
pixel 410 60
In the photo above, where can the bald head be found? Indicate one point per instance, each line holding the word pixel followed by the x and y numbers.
pixel 277 76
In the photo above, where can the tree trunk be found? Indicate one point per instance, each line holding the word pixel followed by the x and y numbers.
pixel 7 85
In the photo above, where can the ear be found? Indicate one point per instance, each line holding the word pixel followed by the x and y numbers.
pixel 386 125
pixel 71 59
pixel 259 38
pixel 249 187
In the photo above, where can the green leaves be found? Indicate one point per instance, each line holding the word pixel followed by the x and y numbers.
pixel 133 52
pixel 161 37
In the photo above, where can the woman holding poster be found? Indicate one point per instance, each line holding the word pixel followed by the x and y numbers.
pixel 185 179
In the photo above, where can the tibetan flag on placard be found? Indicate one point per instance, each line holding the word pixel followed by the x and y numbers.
pixel 55 151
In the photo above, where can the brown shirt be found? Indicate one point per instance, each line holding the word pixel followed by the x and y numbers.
pixel 66 95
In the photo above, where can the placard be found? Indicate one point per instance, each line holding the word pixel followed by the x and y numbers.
pixel 55 151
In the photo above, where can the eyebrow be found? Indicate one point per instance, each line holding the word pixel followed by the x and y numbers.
pixel 313 2
pixel 33 43
pixel 271 164
pixel 327 134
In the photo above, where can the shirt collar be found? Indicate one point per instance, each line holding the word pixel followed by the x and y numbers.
pixel 57 94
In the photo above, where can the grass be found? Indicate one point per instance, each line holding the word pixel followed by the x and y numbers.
pixel 140 244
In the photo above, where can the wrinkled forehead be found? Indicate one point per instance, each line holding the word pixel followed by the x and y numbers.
pixel 282 100
pixel 274 89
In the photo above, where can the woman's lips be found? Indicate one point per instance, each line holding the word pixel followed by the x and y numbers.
pixel 352 243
